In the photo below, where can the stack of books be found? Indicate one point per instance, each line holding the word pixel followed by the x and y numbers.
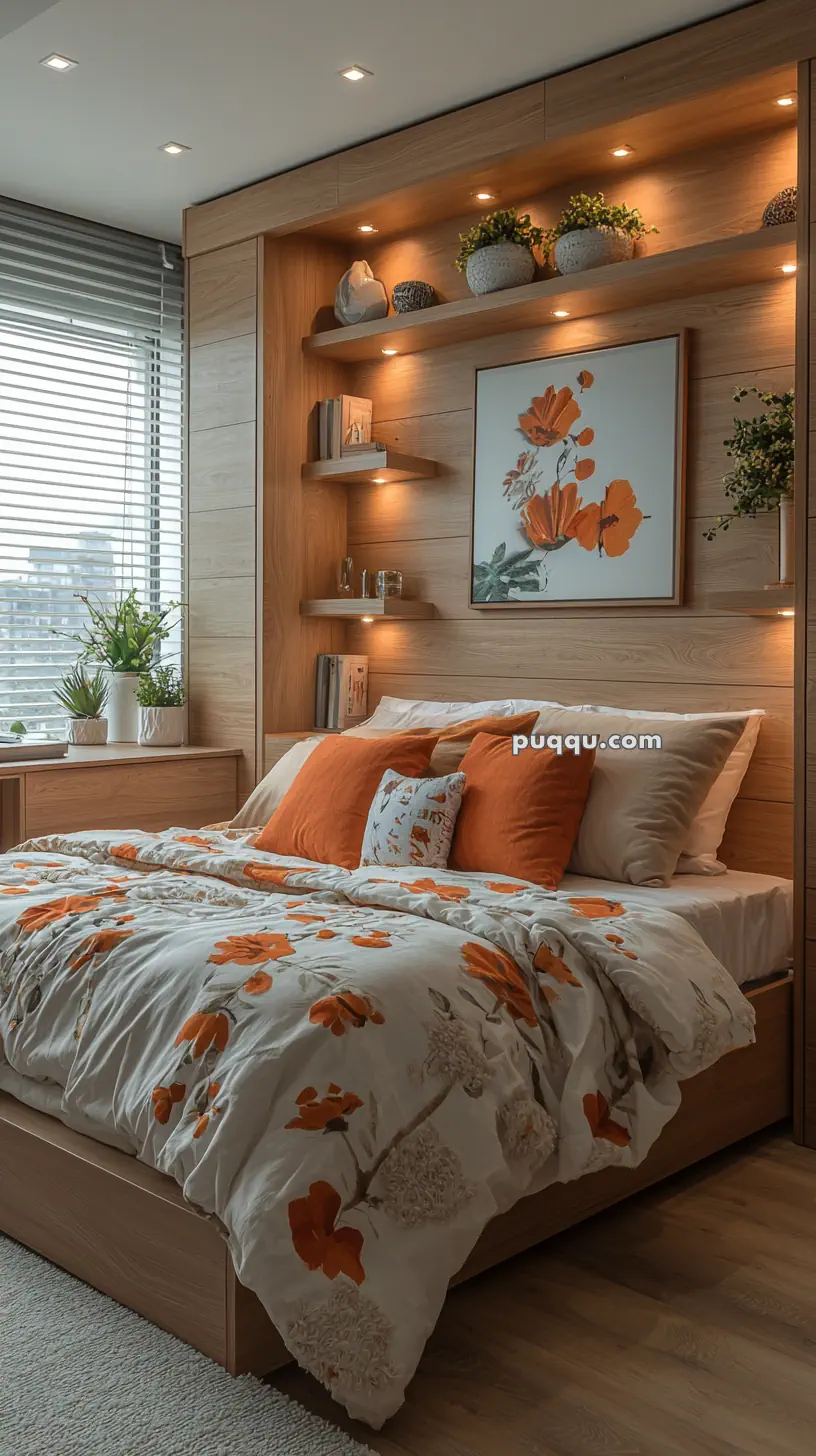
pixel 341 691
pixel 344 427
pixel 14 747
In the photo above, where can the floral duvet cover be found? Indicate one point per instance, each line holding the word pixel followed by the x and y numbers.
pixel 354 1071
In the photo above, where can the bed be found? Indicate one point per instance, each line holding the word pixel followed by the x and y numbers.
pixel 72 1189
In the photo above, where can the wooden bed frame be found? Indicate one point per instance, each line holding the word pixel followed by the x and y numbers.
pixel 125 1229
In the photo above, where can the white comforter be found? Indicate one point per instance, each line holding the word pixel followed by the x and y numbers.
pixel 353 1071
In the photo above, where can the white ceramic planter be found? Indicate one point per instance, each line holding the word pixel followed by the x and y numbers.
pixel 162 727
pixel 786 545
pixel 122 707
pixel 87 732
pixel 592 248
pixel 502 265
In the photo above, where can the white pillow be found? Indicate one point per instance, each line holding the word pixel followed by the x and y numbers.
pixel 411 821
pixel 419 713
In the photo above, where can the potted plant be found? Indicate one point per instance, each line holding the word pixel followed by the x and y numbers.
pixel 762 478
pixel 498 251
pixel 591 232
pixel 162 711
pixel 123 637
pixel 83 699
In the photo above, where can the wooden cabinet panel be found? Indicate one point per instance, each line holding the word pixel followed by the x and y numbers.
pixel 222 294
pixel 190 792
pixel 222 383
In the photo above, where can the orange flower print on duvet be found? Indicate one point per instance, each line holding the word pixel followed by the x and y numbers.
pixel 251 949
pixel 205 1029
pixel 271 874
pixel 258 983
pixel 198 842
pixel 593 907
pixel 553 965
pixel 596 1112
pixel 550 417
pixel 373 939
pixel 430 887
pixel 617 942
pixel 344 1009
pixel 124 851
pixel 325 1114
pixel 499 887
pixel 97 945
pixel 503 979
pixel 549 520
pixel 165 1098
pixel 316 1239
pixel 609 527
pixel 41 915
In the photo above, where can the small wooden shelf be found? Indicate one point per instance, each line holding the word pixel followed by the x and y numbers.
pixel 378 607
pixel 378 467
pixel 768 603
pixel 656 278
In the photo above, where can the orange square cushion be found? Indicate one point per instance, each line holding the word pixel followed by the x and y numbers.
pixel 323 815
pixel 519 815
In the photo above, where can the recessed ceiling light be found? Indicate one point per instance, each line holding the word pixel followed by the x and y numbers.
pixel 58 63
pixel 367 620
pixel 788 268
pixel 785 100
pixel 786 612
pixel 366 227
pixel 622 151
pixel 484 196
pixel 173 149
pixel 560 313
pixel 388 351
pixel 355 73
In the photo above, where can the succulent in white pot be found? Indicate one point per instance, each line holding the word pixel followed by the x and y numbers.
pixel 122 637
pixel 162 709
pixel 498 252
pixel 83 699
pixel 592 232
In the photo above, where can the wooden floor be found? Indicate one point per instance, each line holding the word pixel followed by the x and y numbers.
pixel 682 1322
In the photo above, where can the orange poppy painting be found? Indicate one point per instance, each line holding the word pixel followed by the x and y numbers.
pixel 553 523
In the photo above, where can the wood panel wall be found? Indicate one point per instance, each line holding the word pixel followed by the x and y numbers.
pixel 805 501
pixel 223 299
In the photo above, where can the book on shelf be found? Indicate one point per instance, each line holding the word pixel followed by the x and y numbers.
pixel 19 749
pixel 341 691
pixel 370 447
pixel 343 425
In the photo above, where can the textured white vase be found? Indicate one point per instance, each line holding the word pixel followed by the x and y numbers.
pixel 162 727
pixel 592 248
pixel 122 707
pixel 87 732
pixel 786 543
pixel 501 265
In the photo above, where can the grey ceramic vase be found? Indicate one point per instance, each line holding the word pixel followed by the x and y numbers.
pixel 501 265
pixel 592 248
pixel 411 295
pixel 360 297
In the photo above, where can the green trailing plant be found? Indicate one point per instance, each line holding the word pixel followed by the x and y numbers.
pixel 494 580
pixel 162 687
pixel 583 211
pixel 18 727
pixel 504 226
pixel 122 635
pixel 762 448
pixel 80 695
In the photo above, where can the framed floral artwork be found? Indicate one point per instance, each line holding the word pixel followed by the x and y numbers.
pixel 578 490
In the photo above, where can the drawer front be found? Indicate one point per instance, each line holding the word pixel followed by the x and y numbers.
pixel 188 792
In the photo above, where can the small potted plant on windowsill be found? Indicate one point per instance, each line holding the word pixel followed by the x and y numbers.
pixel 762 478
pixel 162 710
pixel 498 252
pixel 592 232
pixel 122 637
pixel 83 699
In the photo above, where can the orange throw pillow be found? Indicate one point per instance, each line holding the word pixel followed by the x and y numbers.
pixel 323 815
pixel 519 815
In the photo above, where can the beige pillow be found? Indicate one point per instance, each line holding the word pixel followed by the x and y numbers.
pixel 642 801
pixel 266 796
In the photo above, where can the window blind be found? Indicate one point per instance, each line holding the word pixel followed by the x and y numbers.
pixel 91 440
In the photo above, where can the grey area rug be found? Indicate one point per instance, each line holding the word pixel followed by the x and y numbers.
pixel 81 1376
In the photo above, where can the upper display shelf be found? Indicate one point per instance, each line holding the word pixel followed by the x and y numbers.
pixel 656 278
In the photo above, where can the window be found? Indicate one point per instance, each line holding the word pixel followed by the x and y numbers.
pixel 91 435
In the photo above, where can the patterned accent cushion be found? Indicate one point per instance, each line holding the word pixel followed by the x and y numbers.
pixel 411 821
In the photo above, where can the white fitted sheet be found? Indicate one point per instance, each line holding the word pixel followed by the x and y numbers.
pixel 746 920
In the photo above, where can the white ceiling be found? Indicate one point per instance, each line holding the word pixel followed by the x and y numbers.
pixel 252 86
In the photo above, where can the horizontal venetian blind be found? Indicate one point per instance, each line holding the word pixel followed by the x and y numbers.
pixel 91 468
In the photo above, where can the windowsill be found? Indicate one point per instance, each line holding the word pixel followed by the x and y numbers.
pixel 112 753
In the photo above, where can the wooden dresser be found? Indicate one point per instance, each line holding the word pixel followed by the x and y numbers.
pixel 120 786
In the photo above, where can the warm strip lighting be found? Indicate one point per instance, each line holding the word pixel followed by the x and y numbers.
pixel 484 196
pixel 58 63
pixel 355 73
pixel 366 227
pixel 388 352
pixel 173 149
pixel 788 268
pixel 379 480
pixel 786 612
pixel 622 151
pixel 367 620
pixel 560 313
pixel 784 100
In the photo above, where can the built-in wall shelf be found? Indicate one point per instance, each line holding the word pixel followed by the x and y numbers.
pixel 375 467
pixel 768 603
pixel 375 607
pixel 655 278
